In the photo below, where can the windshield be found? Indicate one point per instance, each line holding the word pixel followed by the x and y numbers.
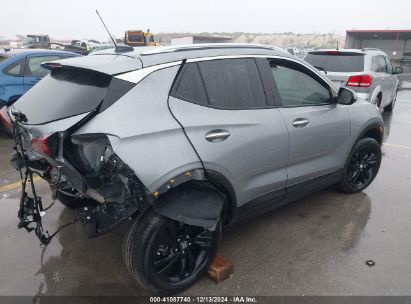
pixel 28 40
pixel 136 38
pixel 341 62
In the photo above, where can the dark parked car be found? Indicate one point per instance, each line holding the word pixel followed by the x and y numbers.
pixel 185 141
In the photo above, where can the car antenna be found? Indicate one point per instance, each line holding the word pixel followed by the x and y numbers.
pixel 121 48
pixel 337 45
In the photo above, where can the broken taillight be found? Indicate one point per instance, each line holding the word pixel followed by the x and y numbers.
pixel 41 145
pixel 4 119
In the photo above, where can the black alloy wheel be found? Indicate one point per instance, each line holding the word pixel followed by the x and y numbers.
pixel 362 166
pixel 167 256
pixel 179 251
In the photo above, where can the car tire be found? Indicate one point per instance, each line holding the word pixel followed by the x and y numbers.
pixel 74 202
pixel 361 166
pixel 378 102
pixel 391 106
pixel 166 256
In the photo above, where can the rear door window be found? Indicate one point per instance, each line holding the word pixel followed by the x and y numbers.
pixel 225 83
pixel 378 64
pixel 189 85
pixel 15 69
pixel 337 61
pixel 233 83
pixel 33 66
pixel 390 69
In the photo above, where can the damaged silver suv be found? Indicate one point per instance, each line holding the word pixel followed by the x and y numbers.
pixel 184 141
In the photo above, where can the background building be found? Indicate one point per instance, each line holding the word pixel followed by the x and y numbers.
pixel 392 42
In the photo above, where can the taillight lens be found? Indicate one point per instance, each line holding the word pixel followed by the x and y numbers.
pixel 41 145
pixel 363 81
pixel 4 119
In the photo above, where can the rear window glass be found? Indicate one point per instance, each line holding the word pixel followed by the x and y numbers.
pixel 33 66
pixel 189 85
pixel 63 93
pixel 344 62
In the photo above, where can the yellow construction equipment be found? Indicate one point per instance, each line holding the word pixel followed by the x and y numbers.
pixel 139 38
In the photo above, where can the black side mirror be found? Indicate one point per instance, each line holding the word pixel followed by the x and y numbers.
pixel 346 96
pixel 399 70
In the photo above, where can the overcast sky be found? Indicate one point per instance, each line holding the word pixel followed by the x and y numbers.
pixel 77 19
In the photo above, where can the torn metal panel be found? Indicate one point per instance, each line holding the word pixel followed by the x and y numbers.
pixel 195 203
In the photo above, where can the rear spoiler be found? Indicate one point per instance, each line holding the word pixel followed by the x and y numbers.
pixel 51 65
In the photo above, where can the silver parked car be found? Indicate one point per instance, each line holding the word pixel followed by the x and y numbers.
pixel 187 140
pixel 368 72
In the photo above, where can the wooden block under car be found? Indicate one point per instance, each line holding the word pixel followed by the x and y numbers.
pixel 221 269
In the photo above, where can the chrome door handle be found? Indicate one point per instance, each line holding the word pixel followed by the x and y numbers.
pixel 300 122
pixel 217 135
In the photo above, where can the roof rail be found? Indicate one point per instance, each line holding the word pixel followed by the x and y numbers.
pixel 205 46
pixel 370 49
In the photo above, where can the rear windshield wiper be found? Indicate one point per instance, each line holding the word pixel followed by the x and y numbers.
pixel 321 69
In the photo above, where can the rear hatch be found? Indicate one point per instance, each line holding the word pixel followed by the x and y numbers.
pixel 338 66
pixel 73 92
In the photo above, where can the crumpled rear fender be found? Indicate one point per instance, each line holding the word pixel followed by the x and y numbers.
pixel 196 203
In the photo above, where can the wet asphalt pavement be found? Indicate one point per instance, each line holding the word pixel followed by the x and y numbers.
pixel 315 246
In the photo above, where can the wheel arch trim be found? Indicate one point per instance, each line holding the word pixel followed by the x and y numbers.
pixel 372 126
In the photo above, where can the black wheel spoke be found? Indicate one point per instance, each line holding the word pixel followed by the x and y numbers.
pixel 203 235
pixel 161 262
pixel 183 266
pixel 169 265
pixel 181 251
pixel 363 177
pixel 368 174
pixel 190 261
pixel 371 160
pixel 352 175
pixel 357 177
pixel 202 244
